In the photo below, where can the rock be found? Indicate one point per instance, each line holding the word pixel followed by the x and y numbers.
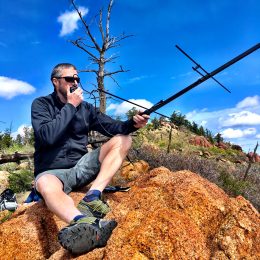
pixel 206 154
pixel 23 166
pixel 165 215
pixel 221 159
pixel 200 141
pixel 222 145
pixel 199 153
pixel 4 183
pixel 131 171
pixel 239 161
pixel 236 147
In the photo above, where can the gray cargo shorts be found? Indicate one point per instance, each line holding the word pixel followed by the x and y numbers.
pixel 83 173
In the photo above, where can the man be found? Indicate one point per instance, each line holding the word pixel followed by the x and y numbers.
pixel 61 123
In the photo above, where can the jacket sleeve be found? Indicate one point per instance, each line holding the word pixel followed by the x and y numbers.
pixel 108 126
pixel 49 130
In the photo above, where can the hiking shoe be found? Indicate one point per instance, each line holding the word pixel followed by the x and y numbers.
pixel 95 208
pixel 85 234
pixel 116 188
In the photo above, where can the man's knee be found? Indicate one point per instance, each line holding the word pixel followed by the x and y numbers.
pixel 125 142
pixel 48 184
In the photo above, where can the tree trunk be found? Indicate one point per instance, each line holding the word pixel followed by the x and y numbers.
pixel 100 81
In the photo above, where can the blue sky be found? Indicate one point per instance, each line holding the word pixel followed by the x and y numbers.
pixel 35 34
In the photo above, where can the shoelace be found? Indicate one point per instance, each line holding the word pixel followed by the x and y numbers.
pixel 99 206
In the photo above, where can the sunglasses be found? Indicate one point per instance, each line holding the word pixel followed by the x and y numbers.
pixel 70 79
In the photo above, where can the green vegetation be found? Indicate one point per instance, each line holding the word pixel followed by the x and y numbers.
pixel 233 185
pixel 6 216
pixel 21 180
pixel 21 143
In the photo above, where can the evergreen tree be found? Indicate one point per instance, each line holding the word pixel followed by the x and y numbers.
pixel 156 123
pixel 201 131
pixel 130 113
pixel 195 128
pixel 19 140
pixel 6 140
pixel 178 119
pixel 219 138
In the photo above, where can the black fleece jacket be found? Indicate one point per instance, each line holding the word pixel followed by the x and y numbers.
pixel 61 131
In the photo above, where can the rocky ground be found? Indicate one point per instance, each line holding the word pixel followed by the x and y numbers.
pixel 165 215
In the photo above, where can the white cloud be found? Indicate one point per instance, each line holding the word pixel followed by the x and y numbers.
pixel 10 88
pixel 121 109
pixel 249 102
pixel 237 133
pixel 203 123
pixel 241 118
pixel 257 136
pixel 20 130
pixel 69 21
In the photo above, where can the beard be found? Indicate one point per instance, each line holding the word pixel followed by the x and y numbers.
pixel 63 93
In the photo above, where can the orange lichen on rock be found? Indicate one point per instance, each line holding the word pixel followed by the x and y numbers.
pixel 165 215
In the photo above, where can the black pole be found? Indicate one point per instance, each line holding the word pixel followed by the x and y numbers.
pixel 200 67
pixel 106 92
pixel 201 80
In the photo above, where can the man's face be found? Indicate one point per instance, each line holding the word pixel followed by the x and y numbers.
pixel 62 84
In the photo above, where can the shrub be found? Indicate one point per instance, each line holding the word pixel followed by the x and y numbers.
pixel 20 181
pixel 232 185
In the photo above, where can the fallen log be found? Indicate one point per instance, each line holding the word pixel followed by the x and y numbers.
pixel 16 157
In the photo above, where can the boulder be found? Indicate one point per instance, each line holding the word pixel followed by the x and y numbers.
pixel 200 141
pixel 4 182
pixel 23 166
pixel 131 171
pixel 222 145
pixel 236 147
pixel 165 215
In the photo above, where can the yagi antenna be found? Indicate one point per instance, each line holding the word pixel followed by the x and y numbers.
pixel 198 66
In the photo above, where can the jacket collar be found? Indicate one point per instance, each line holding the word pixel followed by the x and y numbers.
pixel 57 99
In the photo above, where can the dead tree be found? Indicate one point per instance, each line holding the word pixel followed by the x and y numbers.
pixel 97 51
pixel 251 160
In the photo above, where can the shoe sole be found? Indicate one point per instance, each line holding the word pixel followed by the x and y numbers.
pixel 82 238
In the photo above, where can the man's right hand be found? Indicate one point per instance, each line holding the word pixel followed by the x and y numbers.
pixel 76 97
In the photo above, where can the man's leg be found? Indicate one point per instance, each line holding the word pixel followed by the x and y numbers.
pixel 111 157
pixel 84 233
pixel 51 189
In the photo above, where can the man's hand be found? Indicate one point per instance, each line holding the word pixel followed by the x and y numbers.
pixel 76 97
pixel 140 120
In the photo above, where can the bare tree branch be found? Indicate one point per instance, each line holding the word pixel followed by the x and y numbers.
pixel 100 25
pixel 95 71
pixel 114 40
pixel 115 72
pixel 114 80
pixel 77 43
pixel 108 19
pixel 86 26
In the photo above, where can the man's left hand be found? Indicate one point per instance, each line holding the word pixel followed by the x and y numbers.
pixel 140 120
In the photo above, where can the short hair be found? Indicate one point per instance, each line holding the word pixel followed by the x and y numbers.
pixel 57 70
